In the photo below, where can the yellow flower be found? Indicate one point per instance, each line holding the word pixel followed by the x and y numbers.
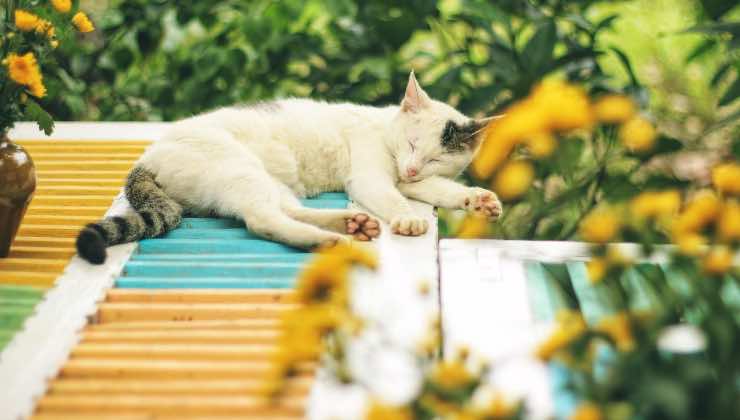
pixel 474 226
pixel 596 269
pixel 323 280
pixel 691 243
pixel 718 261
pixel 654 204
pixel 451 375
pixel 26 21
pixel 570 327
pixel 54 44
pixel 514 179
pixel 587 411
pixel 618 328
pixel 614 109
pixel 493 152
pixel 600 226
pixel 45 27
pixel 497 408
pixel 567 107
pixel 726 178
pixel 378 411
pixel 728 225
pixel 703 208
pixel 353 254
pixel 62 6
pixel 24 70
pixel 637 134
pixel 82 22
pixel 541 145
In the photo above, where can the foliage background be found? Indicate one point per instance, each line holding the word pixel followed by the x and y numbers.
pixel 163 60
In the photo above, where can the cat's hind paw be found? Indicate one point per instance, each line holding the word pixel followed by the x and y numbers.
pixel 363 227
pixel 409 225
pixel 482 201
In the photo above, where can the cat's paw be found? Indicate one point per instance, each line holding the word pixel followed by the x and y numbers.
pixel 363 227
pixel 482 201
pixel 409 225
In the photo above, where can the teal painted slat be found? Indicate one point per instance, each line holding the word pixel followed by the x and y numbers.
pixel 546 299
pixel 331 196
pixel 564 400
pixel 297 258
pixel 209 223
pixel 223 233
pixel 205 283
pixel 594 305
pixel 213 246
pixel 209 269
pixel 324 204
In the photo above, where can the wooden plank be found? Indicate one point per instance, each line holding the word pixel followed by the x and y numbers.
pixel 200 296
pixel 33 265
pixel 74 200
pixel 76 190
pixel 92 154
pixel 83 165
pixel 228 387
pixel 223 257
pixel 182 336
pixel 168 369
pixel 165 326
pixel 205 282
pixel 41 252
pixel 211 269
pixel 98 182
pixel 74 210
pixel 170 405
pixel 81 173
pixel 41 241
pixel 155 351
pixel 123 312
pixel 26 278
pixel 55 231
pixel 48 219
pixel 213 246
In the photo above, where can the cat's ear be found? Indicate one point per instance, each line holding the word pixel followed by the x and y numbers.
pixel 415 98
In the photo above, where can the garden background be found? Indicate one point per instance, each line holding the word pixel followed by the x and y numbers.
pixel 164 60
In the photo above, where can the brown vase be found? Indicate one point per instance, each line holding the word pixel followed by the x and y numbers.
pixel 17 184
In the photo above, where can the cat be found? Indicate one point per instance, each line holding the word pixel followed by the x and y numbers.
pixel 254 162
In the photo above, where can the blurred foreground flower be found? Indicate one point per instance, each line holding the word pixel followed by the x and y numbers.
pixel 638 134
pixel 726 178
pixel 600 226
pixel 513 180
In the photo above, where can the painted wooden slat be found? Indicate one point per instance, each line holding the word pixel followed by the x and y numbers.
pixel 20 292
pixel 170 405
pixel 594 304
pixel 33 264
pixel 546 299
pixel 26 278
pixel 325 204
pixel 122 312
pixel 156 351
pixel 242 386
pixel 42 242
pixel 83 165
pixel 205 282
pixel 211 269
pixel 213 246
pixel 182 336
pixel 77 190
pixel 96 182
pixel 160 417
pixel 81 174
pixel 59 155
pixel 74 200
pixel 294 258
pixel 68 144
pixel 73 210
pixel 200 296
pixel 221 233
pixel 209 223
pixel 62 231
pixel 164 326
pixel 56 219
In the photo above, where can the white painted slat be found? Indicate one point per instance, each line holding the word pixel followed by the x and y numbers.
pixel 92 131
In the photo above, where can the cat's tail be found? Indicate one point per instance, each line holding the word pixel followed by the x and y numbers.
pixel 154 213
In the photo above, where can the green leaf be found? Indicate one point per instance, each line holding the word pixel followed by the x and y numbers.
pixel 720 74
pixel 702 49
pixel 34 112
pixel 606 23
pixel 717 8
pixel 539 49
pixel 626 64
pixel 731 93
pixel 619 188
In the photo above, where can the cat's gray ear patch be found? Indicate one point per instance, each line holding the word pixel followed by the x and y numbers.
pixel 455 137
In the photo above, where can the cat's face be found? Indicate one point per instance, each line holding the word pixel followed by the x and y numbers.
pixel 431 137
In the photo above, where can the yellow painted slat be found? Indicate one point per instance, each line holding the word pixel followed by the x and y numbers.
pixel 58 231
pixel 77 190
pixel 65 144
pixel 89 165
pixel 88 154
pixel 44 265
pixel 122 312
pixel 80 173
pixel 56 219
pixel 99 182
pixel 74 200
pixel 42 241
pixel 76 210
pixel 155 351
pixel 164 326
pixel 41 252
pixel 182 336
pixel 26 278
pixel 167 369
pixel 159 417
pixel 170 405
pixel 200 296
pixel 242 386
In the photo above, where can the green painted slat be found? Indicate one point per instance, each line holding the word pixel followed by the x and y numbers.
pixel 594 304
pixel 10 291
pixel 17 303
pixel 545 297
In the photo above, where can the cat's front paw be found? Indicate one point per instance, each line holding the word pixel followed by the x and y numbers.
pixel 482 201
pixel 409 225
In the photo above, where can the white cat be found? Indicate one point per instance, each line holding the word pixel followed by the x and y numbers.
pixel 254 162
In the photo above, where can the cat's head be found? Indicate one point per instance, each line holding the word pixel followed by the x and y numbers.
pixel 430 137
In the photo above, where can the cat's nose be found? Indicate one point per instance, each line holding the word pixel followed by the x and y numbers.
pixel 412 172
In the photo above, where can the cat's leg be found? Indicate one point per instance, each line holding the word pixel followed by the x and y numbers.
pixel 444 192
pixel 352 222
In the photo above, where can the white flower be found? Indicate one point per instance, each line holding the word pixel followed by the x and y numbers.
pixel 682 338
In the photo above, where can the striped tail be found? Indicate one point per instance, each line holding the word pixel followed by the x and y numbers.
pixel 154 214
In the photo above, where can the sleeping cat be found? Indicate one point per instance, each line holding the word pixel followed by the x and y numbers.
pixel 254 162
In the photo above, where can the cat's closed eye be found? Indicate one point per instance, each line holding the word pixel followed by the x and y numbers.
pixel 411 143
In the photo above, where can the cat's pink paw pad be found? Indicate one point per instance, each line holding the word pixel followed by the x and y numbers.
pixel 483 201
pixel 363 227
